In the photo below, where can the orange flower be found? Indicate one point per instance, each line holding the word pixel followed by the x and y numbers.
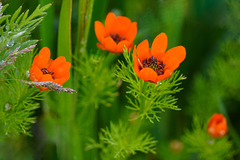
pixel 117 33
pixel 45 69
pixel 217 126
pixel 154 64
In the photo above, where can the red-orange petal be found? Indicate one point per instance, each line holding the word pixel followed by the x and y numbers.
pixel 143 50
pixel 62 69
pixel 109 23
pixel 43 58
pixel 121 26
pixel 100 46
pixel 132 32
pixel 109 44
pixel 46 77
pixel 159 45
pixel 137 67
pixel 63 79
pixel 55 64
pixel 35 74
pixel 148 74
pixel 121 44
pixel 35 60
pixel 99 31
pixel 173 57
pixel 43 88
pixel 167 74
pixel 135 58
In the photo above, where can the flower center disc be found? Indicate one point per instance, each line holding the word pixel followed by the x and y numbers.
pixel 116 37
pixel 45 71
pixel 155 64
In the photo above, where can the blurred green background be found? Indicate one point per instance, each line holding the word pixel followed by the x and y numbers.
pixel 208 29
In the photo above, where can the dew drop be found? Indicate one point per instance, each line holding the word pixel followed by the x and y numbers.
pixel 19 34
pixel 1 62
pixel 2 38
pixel 211 142
pixel 10 32
pixel 8 107
pixel 27 74
pixel 10 44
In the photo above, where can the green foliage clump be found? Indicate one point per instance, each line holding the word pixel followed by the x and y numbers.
pixel 199 142
pixel 120 141
pixel 97 84
pixel 15 31
pixel 18 100
pixel 225 69
pixel 199 95
pixel 233 17
pixel 149 99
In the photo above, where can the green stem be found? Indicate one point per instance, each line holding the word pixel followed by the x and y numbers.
pixel 85 9
pixel 87 128
pixel 142 86
pixel 138 123
pixel 137 127
pixel 66 138
pixel 110 58
pixel 85 115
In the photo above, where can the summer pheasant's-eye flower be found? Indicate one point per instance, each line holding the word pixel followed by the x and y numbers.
pixel 45 69
pixel 117 33
pixel 154 64
pixel 217 126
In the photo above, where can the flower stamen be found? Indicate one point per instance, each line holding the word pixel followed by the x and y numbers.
pixel 45 71
pixel 116 37
pixel 155 64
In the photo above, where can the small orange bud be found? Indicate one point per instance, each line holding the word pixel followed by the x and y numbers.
pixel 217 126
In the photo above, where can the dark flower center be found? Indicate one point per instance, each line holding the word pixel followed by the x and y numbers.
pixel 155 64
pixel 45 71
pixel 116 37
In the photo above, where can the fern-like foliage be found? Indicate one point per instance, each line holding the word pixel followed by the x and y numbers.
pixel 199 142
pixel 225 69
pixel 120 141
pixel 148 99
pixel 15 31
pixel 202 103
pixel 97 84
pixel 18 100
